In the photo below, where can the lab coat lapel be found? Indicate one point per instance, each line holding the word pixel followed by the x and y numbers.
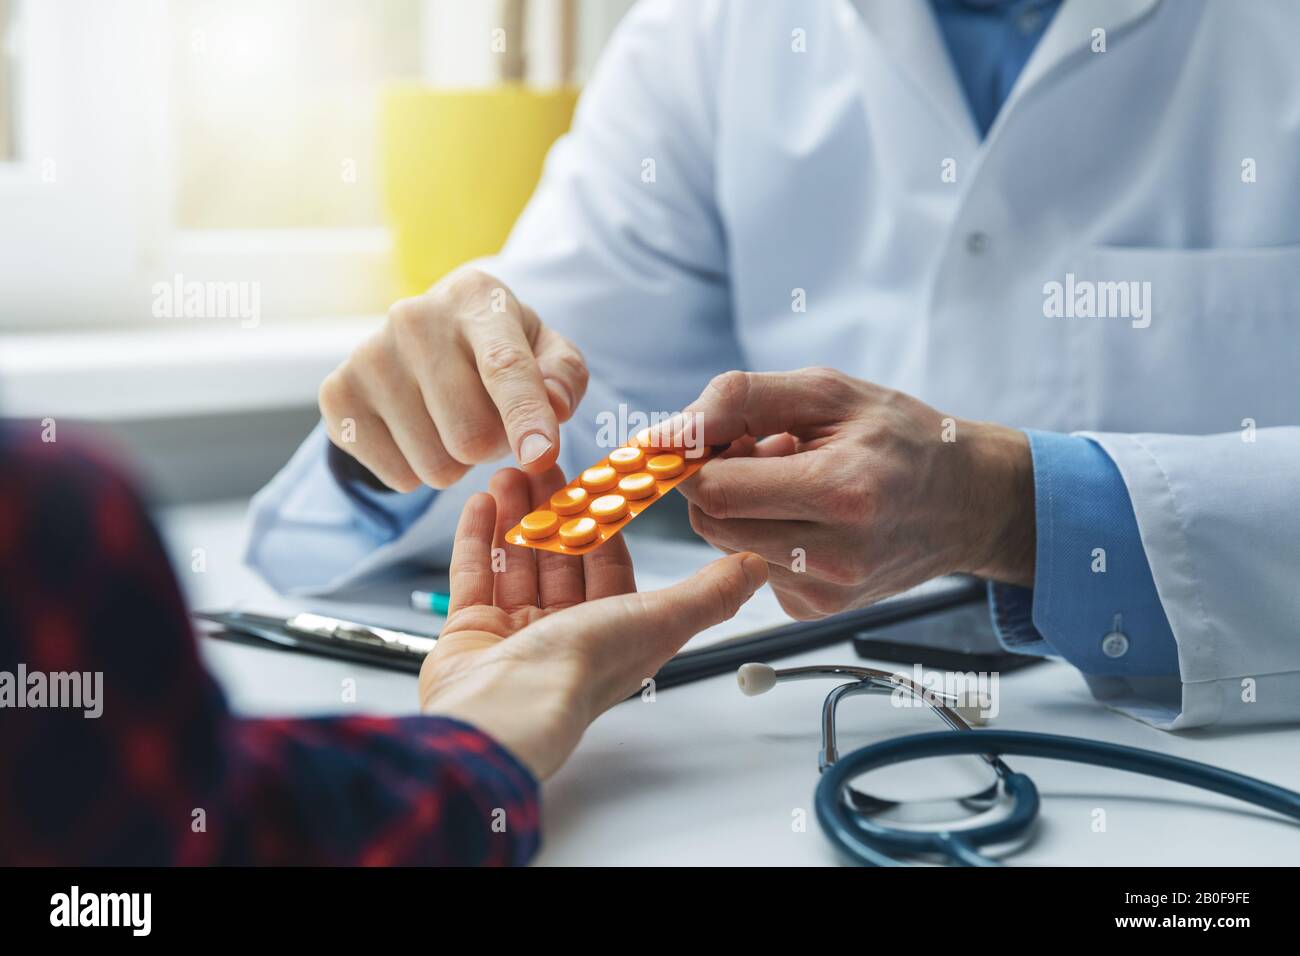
pixel 908 32
pixel 1071 34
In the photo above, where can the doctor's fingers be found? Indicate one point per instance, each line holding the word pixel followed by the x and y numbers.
pixel 753 487
pixel 454 398
pixel 503 354
pixel 365 437
pixel 781 543
pixel 773 446
pixel 805 597
pixel 791 602
pixel 357 429
pixel 400 404
pixel 776 446
pixel 564 370
pixel 768 403
pixel 468 420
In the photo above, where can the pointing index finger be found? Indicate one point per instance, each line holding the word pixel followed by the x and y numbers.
pixel 510 373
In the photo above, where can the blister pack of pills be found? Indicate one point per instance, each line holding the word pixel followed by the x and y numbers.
pixel 590 510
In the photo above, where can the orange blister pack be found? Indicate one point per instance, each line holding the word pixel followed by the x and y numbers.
pixel 594 507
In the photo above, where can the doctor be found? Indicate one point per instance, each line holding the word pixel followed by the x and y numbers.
pixel 1051 252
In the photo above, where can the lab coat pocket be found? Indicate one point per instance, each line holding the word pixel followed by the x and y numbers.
pixel 1185 341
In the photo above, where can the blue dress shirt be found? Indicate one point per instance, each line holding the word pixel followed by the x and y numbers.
pixel 990 41
pixel 1094 601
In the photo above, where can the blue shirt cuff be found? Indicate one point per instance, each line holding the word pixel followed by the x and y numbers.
pixel 387 513
pixel 393 511
pixel 1012 608
pixel 1094 601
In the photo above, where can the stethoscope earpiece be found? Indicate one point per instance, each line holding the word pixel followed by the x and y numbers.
pixel 755 679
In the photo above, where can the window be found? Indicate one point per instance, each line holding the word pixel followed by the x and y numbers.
pixel 275 105
pixel 224 141
pixel 8 137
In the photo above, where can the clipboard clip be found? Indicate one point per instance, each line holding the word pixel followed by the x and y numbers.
pixel 349 632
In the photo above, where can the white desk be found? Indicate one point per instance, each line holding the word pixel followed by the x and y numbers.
pixel 704 775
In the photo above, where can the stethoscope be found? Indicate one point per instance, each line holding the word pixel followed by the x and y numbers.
pixel 850 817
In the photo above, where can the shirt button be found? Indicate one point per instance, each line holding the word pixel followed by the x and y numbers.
pixel 1115 644
pixel 977 243
pixel 1030 21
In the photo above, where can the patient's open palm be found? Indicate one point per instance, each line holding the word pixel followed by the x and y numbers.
pixel 534 650
pixel 492 600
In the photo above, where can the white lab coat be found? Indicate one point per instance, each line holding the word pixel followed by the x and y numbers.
pixel 731 161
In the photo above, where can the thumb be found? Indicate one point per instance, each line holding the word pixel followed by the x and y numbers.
pixel 671 616
pixel 626 638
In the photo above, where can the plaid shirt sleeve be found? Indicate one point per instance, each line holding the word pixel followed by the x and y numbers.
pixel 141 762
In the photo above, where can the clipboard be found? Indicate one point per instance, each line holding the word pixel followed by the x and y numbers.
pixel 396 650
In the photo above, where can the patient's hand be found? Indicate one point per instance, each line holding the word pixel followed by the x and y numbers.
pixel 532 652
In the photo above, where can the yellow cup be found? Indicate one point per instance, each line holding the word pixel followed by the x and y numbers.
pixel 459 165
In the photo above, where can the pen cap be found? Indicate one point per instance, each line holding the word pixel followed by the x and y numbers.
pixel 434 601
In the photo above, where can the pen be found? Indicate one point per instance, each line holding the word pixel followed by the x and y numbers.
pixel 435 602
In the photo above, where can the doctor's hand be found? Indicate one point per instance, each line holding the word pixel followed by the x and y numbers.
pixel 460 375
pixel 852 492
pixel 534 651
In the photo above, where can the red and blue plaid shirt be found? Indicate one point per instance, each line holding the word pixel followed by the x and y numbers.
pixel 166 774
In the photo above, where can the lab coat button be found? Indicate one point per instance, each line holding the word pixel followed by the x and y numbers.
pixel 1115 644
pixel 976 243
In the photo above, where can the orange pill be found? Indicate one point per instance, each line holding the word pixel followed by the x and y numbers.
pixel 569 501
pixel 627 459
pixel 539 524
pixel 578 532
pixel 635 487
pixel 656 436
pixel 608 508
pixel 666 466
pixel 598 479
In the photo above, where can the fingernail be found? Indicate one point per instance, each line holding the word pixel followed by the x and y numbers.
pixel 561 391
pixel 755 569
pixel 532 448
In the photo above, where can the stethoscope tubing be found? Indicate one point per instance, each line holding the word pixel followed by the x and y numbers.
pixel 868 841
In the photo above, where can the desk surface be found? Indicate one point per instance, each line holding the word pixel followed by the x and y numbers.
pixel 703 775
